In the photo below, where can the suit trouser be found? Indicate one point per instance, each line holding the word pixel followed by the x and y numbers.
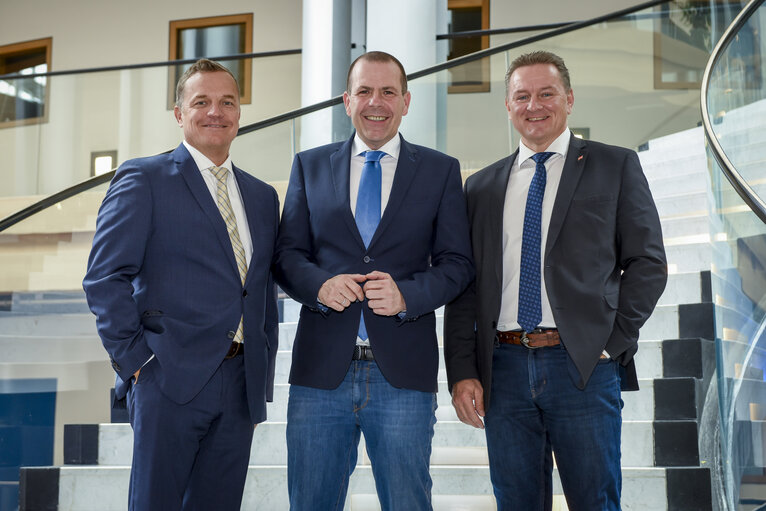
pixel 193 455
pixel 535 408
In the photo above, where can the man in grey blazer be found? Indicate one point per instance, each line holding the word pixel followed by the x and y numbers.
pixel 569 264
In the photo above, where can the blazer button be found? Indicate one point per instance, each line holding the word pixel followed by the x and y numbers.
pixel 231 334
pixel 366 259
pixel 116 366
pixel 244 293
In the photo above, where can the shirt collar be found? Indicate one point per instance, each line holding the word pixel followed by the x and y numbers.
pixel 559 146
pixel 202 161
pixel 391 147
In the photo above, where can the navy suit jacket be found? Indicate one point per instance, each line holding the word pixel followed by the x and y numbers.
pixel 162 279
pixel 604 265
pixel 422 241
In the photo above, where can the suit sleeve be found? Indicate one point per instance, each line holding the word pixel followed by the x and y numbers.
pixel 641 257
pixel 122 230
pixel 272 317
pixel 451 268
pixel 296 269
pixel 460 355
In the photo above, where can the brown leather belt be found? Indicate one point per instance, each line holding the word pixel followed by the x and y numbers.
pixel 236 348
pixel 540 338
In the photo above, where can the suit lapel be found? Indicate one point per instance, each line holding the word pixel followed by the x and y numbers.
pixel 496 204
pixel 340 168
pixel 405 172
pixel 577 155
pixel 194 180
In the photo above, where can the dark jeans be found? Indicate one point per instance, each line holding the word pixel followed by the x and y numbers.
pixel 535 408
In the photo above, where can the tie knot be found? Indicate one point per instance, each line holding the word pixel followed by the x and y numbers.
pixel 541 157
pixel 220 173
pixel 373 155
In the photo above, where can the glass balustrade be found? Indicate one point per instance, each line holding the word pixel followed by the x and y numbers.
pixel 120 112
pixel 736 105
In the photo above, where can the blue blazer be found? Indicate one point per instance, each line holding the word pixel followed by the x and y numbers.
pixel 422 241
pixel 604 266
pixel 162 279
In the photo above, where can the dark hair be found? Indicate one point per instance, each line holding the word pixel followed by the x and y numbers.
pixel 377 56
pixel 539 57
pixel 201 66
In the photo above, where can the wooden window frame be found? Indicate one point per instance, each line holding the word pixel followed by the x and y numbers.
pixel 484 86
pixel 214 21
pixel 20 48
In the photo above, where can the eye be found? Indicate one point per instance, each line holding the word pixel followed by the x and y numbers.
pixel 522 97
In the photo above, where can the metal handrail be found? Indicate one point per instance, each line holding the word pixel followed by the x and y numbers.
pixel 748 195
pixel 96 181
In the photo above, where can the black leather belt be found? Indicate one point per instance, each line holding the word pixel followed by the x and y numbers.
pixel 236 348
pixel 363 353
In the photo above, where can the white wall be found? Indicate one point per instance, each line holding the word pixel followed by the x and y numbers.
pixel 126 110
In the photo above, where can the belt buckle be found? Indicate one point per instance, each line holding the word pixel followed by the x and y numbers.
pixel 525 341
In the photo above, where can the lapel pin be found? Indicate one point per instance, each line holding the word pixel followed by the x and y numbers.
pixel 579 158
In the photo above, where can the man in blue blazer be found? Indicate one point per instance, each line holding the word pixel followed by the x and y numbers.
pixel 552 382
pixel 365 355
pixel 179 279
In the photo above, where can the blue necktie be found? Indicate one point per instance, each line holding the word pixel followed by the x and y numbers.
pixel 530 308
pixel 368 206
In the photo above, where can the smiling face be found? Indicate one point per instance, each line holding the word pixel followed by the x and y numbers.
pixel 209 113
pixel 375 101
pixel 538 104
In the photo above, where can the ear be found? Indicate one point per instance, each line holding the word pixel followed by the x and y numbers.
pixel 570 101
pixel 347 103
pixel 407 98
pixel 178 116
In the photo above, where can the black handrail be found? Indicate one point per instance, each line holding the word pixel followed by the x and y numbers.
pixel 93 182
pixel 166 63
pixel 753 201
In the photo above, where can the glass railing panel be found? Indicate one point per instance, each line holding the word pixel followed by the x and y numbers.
pixel 53 368
pixel 124 111
pixel 736 104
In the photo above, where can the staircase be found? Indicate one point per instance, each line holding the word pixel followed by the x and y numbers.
pixel 664 458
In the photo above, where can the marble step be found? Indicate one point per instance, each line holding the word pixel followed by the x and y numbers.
pixel 92 488
pixel 454 443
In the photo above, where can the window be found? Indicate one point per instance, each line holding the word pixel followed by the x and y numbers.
pixel 23 100
pixel 468 15
pixel 212 37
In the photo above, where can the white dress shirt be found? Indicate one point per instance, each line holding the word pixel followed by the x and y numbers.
pixel 235 197
pixel 387 165
pixel 522 171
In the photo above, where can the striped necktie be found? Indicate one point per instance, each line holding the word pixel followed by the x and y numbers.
pixel 224 206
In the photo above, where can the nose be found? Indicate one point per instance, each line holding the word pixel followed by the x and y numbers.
pixel 376 97
pixel 214 110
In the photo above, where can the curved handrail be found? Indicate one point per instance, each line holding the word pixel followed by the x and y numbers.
pixel 165 63
pixel 571 27
pixel 753 201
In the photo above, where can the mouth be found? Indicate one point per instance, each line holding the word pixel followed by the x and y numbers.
pixel 537 119
pixel 375 118
pixel 215 126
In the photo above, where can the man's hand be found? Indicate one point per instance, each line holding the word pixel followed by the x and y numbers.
pixel 135 376
pixel 468 400
pixel 383 295
pixel 339 291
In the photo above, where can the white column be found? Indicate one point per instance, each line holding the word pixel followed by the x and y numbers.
pixel 325 60
pixel 407 29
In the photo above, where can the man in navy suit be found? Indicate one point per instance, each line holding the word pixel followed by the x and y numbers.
pixel 179 279
pixel 370 259
pixel 545 373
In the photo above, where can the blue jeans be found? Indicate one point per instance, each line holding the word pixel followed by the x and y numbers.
pixel 535 408
pixel 323 428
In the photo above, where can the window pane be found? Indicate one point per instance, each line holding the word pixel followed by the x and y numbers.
pixel 23 98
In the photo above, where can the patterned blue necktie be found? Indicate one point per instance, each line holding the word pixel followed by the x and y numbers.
pixel 368 206
pixel 530 308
